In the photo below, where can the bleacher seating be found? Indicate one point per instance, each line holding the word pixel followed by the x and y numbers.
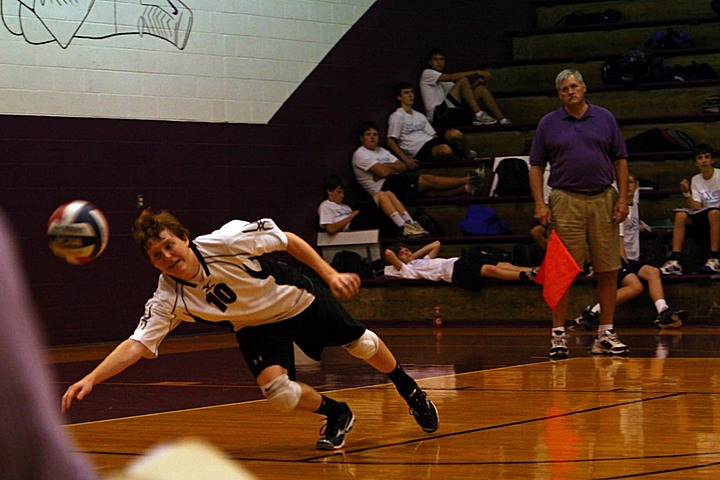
pixel 524 90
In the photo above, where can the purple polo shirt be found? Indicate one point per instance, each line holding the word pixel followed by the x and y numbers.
pixel 580 151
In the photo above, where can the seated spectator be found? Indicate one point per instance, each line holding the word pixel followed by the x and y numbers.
pixel 453 99
pixel 465 271
pixel 702 197
pixel 631 273
pixel 376 170
pixel 335 216
pixel 413 140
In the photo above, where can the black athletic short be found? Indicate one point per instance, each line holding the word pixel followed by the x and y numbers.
pixel 425 152
pixel 324 323
pixel 445 117
pixel 405 186
pixel 625 270
pixel 701 227
pixel 466 271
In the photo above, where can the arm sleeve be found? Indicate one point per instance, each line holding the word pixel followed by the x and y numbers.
pixel 395 125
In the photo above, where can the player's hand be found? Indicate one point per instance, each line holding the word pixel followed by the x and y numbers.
pixel 685 185
pixel 620 212
pixel 77 390
pixel 484 75
pixel 412 164
pixel 345 285
pixel 543 214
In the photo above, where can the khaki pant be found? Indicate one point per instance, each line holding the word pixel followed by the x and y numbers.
pixel 586 221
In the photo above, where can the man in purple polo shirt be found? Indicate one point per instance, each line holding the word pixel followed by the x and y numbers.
pixel 584 146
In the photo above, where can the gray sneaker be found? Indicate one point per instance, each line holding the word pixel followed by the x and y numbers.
pixel 414 230
pixel 482 119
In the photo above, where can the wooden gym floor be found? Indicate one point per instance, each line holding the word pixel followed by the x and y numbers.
pixel 506 411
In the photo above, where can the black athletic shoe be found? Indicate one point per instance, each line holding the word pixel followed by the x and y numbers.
pixel 588 320
pixel 333 432
pixel 423 410
pixel 670 318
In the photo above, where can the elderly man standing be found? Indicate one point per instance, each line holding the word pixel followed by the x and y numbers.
pixel 584 146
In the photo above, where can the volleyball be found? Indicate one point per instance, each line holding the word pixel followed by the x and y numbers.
pixel 78 232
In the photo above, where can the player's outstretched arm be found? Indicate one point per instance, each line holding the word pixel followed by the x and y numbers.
pixel 431 249
pixel 124 355
pixel 342 285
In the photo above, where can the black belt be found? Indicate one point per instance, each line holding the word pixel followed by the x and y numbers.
pixel 585 191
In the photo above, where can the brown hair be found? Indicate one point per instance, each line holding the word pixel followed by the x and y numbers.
pixel 149 225
pixel 396 248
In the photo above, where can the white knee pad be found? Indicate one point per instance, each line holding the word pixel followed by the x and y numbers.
pixel 282 393
pixel 364 347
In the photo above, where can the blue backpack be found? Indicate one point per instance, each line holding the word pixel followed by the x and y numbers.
pixel 483 221
pixel 669 40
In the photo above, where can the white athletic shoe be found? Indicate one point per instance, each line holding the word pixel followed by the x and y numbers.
pixel 482 119
pixel 671 267
pixel 712 266
pixel 609 344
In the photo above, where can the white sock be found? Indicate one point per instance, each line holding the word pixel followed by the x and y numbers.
pixel 397 219
pixel 558 331
pixel 406 216
pixel 479 114
pixel 661 305
pixel 604 328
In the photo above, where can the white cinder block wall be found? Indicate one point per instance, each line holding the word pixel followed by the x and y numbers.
pixel 231 61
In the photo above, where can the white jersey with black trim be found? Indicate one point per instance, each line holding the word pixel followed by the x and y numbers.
pixel 233 286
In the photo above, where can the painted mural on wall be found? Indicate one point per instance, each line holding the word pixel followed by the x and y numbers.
pixel 46 21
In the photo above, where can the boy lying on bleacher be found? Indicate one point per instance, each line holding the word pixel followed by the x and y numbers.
pixel 465 271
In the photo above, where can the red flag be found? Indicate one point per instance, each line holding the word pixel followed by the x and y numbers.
pixel 560 268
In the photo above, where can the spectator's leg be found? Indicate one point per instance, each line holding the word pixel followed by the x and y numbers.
pixel 456 140
pixel 631 288
pixel 679 223
pixel 654 280
pixel 443 152
pixel 714 221
pixel 437 186
pixel 462 92
pixel 485 99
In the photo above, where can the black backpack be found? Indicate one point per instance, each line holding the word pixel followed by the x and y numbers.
pixel 660 139
pixel 694 71
pixel 527 255
pixel 593 18
pixel 346 261
pixel 429 223
pixel 632 67
pixel 513 177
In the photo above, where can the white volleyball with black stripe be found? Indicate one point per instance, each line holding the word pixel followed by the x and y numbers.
pixel 78 232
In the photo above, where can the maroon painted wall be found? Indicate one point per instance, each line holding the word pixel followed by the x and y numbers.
pixel 210 173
